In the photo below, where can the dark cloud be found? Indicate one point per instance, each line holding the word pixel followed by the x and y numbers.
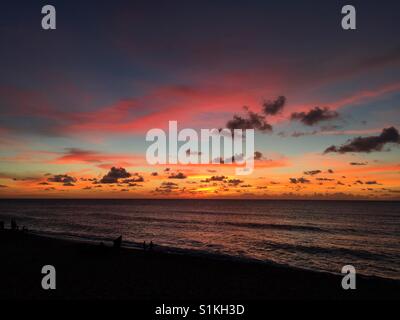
pixel 134 185
pixel 297 134
pixel 252 120
pixel 178 175
pixel 358 163
pixel 322 129
pixel 371 182
pixel 3 186
pixel 134 179
pixel 214 178
pixel 114 174
pixel 325 179
pixel 257 121
pixel 62 178
pixel 234 159
pixel 368 144
pixel 154 174
pixel 166 187
pixel 314 116
pixel 258 155
pixel 84 155
pixel 312 172
pixel 234 182
pixel 274 107
pixel 68 184
pixel 299 180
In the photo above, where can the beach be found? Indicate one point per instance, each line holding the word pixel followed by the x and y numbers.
pixel 313 235
pixel 92 271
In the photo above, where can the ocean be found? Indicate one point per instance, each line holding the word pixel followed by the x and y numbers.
pixel 316 235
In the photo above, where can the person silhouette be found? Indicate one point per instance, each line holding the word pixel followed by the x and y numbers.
pixel 151 246
pixel 14 225
pixel 117 242
pixel 144 245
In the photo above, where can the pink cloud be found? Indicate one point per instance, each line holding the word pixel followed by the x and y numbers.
pixel 75 155
pixel 155 109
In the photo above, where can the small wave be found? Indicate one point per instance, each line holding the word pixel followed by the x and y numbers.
pixel 363 254
pixel 288 227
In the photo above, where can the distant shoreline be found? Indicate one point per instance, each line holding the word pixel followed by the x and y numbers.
pixel 203 199
pixel 89 271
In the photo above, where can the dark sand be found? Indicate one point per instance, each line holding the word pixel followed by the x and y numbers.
pixel 86 271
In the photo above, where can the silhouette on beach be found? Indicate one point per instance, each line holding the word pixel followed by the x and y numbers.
pixel 14 225
pixel 117 242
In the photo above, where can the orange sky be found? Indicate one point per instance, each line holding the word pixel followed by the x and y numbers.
pixel 71 112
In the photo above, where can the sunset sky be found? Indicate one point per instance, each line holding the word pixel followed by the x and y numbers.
pixel 78 100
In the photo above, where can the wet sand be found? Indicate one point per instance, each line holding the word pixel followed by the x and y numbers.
pixel 87 271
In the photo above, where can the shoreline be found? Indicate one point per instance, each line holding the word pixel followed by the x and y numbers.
pixel 91 271
pixel 129 245
pixel 198 199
